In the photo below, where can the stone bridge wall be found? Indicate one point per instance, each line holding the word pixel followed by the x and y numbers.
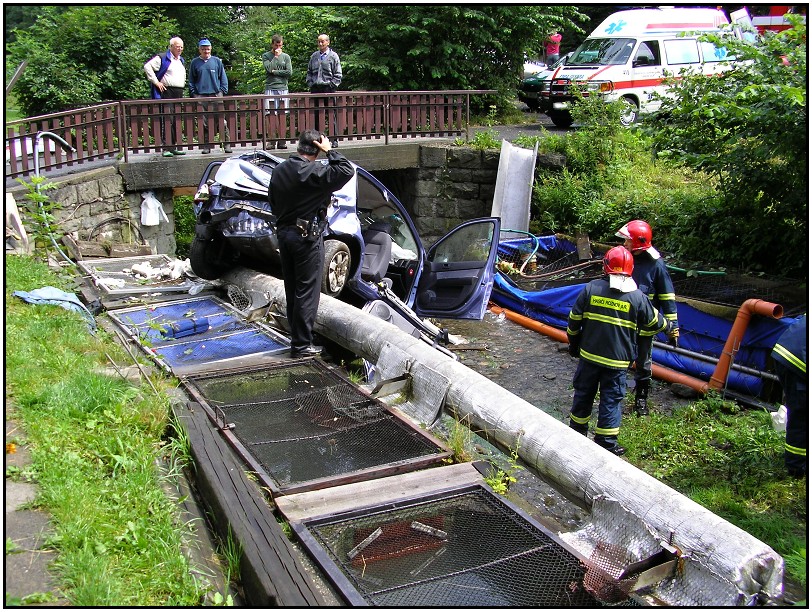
pixel 441 186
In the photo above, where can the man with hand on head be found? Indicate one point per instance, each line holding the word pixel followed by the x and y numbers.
pixel 299 195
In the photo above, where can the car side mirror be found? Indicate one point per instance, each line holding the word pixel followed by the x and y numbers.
pixel 640 61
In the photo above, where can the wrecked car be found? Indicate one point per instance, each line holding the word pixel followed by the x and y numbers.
pixel 371 247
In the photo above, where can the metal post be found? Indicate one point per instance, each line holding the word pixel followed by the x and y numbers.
pixel 121 125
pixel 467 117
pixel 387 106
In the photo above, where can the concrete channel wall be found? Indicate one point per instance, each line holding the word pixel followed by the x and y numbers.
pixel 719 557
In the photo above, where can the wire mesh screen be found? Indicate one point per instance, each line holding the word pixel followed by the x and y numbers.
pixel 733 289
pixel 464 549
pixel 302 423
pixel 536 263
pixel 196 331
pixel 117 276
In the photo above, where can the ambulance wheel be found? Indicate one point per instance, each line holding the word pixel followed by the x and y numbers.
pixel 336 267
pixel 561 119
pixel 630 112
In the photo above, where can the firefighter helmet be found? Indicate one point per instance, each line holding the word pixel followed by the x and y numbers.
pixel 638 233
pixel 618 260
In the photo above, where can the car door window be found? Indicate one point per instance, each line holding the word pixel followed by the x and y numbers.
pixel 648 54
pixel 457 279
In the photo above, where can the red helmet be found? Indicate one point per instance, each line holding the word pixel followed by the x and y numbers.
pixel 618 260
pixel 639 232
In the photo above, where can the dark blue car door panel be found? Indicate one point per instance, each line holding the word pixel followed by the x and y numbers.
pixel 457 278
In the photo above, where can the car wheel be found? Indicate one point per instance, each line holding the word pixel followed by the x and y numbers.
pixel 561 119
pixel 630 112
pixel 336 267
pixel 533 106
pixel 210 259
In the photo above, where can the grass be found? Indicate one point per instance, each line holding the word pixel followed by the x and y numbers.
pixel 13 111
pixel 732 463
pixel 94 440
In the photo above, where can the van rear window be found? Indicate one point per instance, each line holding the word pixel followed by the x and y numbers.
pixel 681 51
pixel 712 53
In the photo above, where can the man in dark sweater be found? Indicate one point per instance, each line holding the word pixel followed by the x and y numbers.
pixel 299 194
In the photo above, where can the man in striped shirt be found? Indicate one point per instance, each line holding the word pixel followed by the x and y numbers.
pixel 607 328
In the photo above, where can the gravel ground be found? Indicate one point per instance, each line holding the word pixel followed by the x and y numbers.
pixel 532 366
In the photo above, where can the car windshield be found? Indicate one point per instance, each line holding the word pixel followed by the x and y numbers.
pixel 602 52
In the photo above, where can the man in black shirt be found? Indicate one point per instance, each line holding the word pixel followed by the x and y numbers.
pixel 299 194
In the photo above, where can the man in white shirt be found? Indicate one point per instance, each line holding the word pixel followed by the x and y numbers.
pixel 167 74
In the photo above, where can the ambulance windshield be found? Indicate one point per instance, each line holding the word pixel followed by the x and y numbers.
pixel 602 52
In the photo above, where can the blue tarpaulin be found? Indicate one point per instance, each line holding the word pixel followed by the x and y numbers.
pixel 700 332
pixel 57 297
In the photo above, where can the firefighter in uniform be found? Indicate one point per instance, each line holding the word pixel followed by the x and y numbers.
pixel 605 328
pixel 789 354
pixel 652 278
pixel 299 194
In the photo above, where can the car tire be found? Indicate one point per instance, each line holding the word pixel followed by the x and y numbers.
pixel 210 259
pixel 561 119
pixel 630 112
pixel 533 107
pixel 337 260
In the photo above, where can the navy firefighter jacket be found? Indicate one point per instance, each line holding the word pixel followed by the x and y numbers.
pixel 605 324
pixel 790 350
pixel 653 279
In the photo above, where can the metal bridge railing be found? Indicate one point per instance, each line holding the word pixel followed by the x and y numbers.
pixel 127 127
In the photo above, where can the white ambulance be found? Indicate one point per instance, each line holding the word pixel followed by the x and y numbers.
pixel 627 55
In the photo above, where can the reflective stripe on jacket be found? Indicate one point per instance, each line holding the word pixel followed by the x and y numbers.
pixel 605 323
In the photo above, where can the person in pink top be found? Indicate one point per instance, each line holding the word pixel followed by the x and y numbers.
pixel 551 49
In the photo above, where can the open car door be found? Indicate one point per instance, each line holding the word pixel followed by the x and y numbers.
pixel 457 277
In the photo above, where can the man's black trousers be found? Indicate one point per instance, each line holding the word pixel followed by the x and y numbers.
pixel 302 263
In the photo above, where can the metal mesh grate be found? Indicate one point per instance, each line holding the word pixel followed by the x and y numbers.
pixel 196 331
pixel 733 289
pixel 464 549
pixel 115 275
pixel 301 422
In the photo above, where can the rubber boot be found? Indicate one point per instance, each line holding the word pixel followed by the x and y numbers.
pixel 581 429
pixel 641 397
pixel 610 444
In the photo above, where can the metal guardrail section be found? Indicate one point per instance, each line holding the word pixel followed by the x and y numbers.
pixel 128 127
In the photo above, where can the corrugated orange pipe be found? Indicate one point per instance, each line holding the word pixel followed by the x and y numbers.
pixel 717 381
pixel 734 338
pixel 542 328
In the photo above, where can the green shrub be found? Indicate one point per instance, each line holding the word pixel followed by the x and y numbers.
pixel 184 225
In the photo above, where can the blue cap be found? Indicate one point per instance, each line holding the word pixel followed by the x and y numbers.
pixel 204 42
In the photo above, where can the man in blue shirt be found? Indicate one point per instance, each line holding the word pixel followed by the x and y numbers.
pixel 207 78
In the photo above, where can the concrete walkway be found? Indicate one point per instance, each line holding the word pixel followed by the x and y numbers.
pixel 28 580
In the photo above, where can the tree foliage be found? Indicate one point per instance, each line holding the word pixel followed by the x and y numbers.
pixel 403 47
pixel 748 128
pixel 86 55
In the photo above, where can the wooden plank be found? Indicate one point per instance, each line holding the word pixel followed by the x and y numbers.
pixel 334 500
pixel 271 574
